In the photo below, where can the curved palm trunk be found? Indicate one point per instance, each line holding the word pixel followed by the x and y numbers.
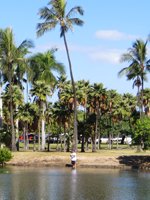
pixel 75 138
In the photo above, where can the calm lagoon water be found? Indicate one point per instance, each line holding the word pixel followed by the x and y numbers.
pixel 28 183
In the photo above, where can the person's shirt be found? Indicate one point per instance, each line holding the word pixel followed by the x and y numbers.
pixel 73 156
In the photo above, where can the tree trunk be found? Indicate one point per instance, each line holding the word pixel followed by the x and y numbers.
pixel 13 135
pixel 13 140
pixel 25 138
pixel 1 105
pixel 82 142
pixel 93 140
pixel 39 135
pixel 43 129
pixel 109 142
pixel 96 126
pixel 83 133
pixel 142 78
pixel 75 135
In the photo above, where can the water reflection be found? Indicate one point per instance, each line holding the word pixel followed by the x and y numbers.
pixel 67 184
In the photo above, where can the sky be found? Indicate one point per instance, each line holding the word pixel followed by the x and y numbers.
pixel 109 30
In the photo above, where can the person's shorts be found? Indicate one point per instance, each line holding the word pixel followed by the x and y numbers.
pixel 73 162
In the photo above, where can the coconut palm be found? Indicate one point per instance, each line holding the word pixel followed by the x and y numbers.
pixel 43 79
pixel 40 91
pixel 139 64
pixel 12 56
pixel 43 67
pixel 56 15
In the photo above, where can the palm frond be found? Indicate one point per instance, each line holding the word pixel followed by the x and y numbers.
pixel 44 27
pixel 47 14
pixel 74 11
pixel 75 21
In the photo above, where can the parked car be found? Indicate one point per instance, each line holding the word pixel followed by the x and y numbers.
pixel 30 137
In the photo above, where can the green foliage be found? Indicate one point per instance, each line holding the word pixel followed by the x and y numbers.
pixel 5 135
pixel 141 133
pixel 5 155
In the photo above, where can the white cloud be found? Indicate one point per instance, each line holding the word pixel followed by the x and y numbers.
pixel 106 55
pixel 93 53
pixel 113 35
pixel 99 53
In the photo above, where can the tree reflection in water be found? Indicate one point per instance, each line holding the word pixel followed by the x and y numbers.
pixel 19 183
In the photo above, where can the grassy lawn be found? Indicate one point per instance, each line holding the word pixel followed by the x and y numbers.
pixel 104 151
pixel 104 156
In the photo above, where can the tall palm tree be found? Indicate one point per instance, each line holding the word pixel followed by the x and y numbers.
pixel 56 15
pixel 42 68
pixel 139 64
pixel 40 91
pixel 96 97
pixel 62 115
pixel 82 93
pixel 12 56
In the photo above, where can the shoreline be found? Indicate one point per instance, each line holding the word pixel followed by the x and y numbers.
pixel 93 160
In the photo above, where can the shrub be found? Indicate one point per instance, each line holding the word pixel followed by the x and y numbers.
pixel 5 155
pixel 141 133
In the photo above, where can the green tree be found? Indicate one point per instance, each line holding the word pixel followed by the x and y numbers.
pixel 146 101
pixel 139 65
pixel 141 135
pixel 25 115
pixel 40 92
pixel 82 94
pixel 56 15
pixel 43 67
pixel 43 79
pixel 96 98
pixel 62 115
pixel 5 156
pixel 11 56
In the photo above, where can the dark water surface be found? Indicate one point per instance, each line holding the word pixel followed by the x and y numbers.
pixel 19 183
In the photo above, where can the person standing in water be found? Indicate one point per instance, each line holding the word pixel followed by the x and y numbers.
pixel 73 157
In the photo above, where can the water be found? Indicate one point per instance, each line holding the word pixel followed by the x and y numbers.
pixel 19 183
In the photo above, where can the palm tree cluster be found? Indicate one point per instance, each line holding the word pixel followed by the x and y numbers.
pixel 16 71
pixel 100 112
pixel 83 112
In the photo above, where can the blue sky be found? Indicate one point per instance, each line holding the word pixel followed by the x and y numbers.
pixel 110 28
